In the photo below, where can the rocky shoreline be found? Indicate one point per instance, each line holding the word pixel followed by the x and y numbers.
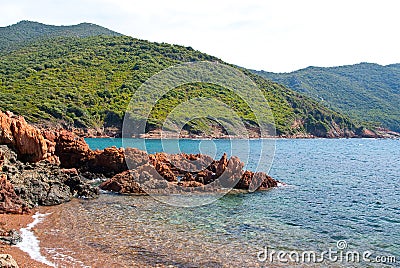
pixel 116 132
pixel 41 167
pixel 377 133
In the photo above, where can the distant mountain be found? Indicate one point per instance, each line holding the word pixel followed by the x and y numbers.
pixel 87 82
pixel 13 36
pixel 366 91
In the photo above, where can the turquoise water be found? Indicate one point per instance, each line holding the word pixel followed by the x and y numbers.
pixel 338 189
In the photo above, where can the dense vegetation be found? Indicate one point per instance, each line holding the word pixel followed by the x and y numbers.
pixel 17 35
pixel 87 82
pixel 365 91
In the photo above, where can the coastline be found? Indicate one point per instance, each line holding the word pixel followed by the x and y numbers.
pixel 17 222
pixel 380 133
pixel 368 134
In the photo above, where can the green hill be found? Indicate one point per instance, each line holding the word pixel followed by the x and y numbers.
pixel 366 91
pixel 88 83
pixel 15 36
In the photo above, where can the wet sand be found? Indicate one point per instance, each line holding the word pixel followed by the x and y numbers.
pixel 17 222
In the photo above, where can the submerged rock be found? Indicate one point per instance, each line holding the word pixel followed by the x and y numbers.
pixel 125 182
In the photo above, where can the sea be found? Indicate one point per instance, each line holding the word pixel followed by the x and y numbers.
pixel 339 206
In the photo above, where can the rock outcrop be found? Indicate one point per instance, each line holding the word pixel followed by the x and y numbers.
pixel 125 182
pixel 109 161
pixel 191 173
pixel 72 150
pixel 25 139
pixel 40 183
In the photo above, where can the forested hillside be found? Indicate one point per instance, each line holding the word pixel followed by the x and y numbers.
pixel 366 91
pixel 17 35
pixel 87 82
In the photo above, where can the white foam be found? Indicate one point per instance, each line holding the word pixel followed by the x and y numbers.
pixel 282 184
pixel 57 255
pixel 30 244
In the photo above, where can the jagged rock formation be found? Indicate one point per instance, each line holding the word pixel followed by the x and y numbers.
pixel 186 173
pixel 26 140
pixel 44 167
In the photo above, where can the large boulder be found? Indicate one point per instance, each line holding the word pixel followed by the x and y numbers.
pixel 25 139
pixel 125 182
pixel 256 181
pixel 72 150
pixel 109 161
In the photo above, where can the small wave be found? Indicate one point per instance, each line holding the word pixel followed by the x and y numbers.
pixel 282 184
pixel 30 244
pixel 65 258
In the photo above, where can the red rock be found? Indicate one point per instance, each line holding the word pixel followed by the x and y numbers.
pixel 9 201
pixel 1 159
pixel 125 182
pixel 205 176
pixel 190 184
pixel 182 163
pixel 136 158
pixel 27 140
pixel 245 181
pixel 165 171
pixel 7 261
pixel 6 135
pixel 366 133
pixel 72 150
pixel 262 181
pixel 50 135
pixel 162 164
pixel 222 164
pixel 232 173
pixel 108 161
pixel 188 177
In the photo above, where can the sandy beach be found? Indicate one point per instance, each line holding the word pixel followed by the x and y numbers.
pixel 9 221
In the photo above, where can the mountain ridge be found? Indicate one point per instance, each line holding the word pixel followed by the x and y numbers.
pixel 25 31
pixel 86 82
pixel 365 91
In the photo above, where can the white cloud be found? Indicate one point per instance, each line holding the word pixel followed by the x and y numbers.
pixel 280 35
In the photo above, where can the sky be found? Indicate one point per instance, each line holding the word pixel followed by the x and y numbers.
pixel 277 36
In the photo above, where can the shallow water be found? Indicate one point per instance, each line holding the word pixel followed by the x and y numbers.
pixel 338 190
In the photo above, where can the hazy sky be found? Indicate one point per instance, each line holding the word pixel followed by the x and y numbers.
pixel 279 35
